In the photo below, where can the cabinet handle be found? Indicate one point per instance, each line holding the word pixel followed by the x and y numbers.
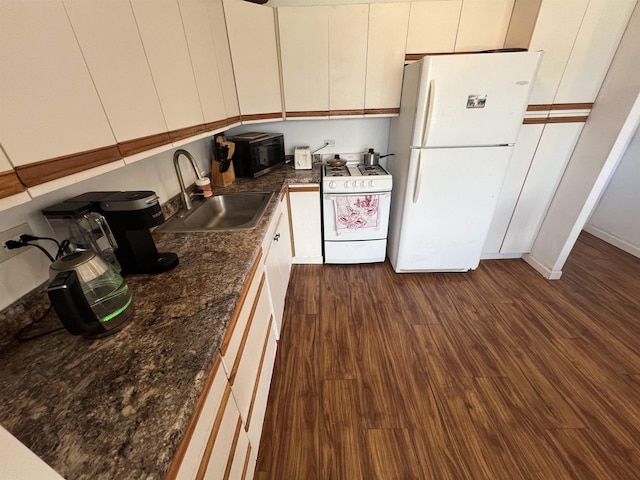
pixel 277 237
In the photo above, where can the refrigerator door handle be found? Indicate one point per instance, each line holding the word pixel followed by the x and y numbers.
pixel 416 191
pixel 432 100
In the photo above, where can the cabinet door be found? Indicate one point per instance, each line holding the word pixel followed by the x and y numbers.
pixel 111 45
pixel 304 201
pixel 197 28
pixel 549 162
pixel 483 24
pixel 433 26
pixel 385 57
pixel 523 152
pixel 163 37
pixel 49 106
pixel 554 33
pixel 278 265
pixel 223 58
pixel 304 53
pixel 348 27
pixel 600 32
pixel 252 41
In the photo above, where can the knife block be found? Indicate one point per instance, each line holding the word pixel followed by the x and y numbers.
pixel 222 179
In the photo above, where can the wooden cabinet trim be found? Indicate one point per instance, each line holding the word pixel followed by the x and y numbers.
pixel 245 469
pixel 234 445
pixel 255 386
pixel 214 432
pixel 47 170
pixel 576 119
pixel 296 188
pixel 337 113
pixel 543 107
pixel 308 113
pixel 182 133
pixel 262 116
pixel 293 241
pixel 137 145
pixel 174 467
pixel 10 184
pixel 245 334
pixel 243 296
pixel 382 111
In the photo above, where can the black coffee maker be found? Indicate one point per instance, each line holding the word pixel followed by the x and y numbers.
pixel 128 216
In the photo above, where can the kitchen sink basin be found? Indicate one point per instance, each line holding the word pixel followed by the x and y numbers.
pixel 225 212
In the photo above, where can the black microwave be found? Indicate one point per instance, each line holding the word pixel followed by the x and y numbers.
pixel 257 153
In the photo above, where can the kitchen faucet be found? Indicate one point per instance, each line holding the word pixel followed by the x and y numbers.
pixel 186 200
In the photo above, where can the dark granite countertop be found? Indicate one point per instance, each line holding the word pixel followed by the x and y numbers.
pixel 117 407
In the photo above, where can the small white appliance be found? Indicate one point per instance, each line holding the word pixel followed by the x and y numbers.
pixel 302 158
pixel 356 200
pixel 459 119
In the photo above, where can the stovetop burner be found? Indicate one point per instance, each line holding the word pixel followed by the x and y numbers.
pixel 336 171
pixel 371 170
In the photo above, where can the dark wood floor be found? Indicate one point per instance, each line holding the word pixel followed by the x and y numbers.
pixel 494 374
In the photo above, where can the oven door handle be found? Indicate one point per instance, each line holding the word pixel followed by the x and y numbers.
pixel 341 195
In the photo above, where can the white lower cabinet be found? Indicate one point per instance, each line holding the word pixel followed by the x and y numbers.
pixel 306 224
pixel 278 262
pixel 216 444
pixel 540 158
pixel 223 438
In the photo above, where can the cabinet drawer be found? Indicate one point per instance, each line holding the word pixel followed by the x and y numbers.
pixel 232 343
pixel 215 445
pixel 248 363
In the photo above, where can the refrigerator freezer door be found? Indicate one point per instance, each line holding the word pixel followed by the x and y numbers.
pixel 445 229
pixel 474 99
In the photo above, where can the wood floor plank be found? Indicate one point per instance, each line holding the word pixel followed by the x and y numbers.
pixel 494 374
pixel 390 455
pixel 342 443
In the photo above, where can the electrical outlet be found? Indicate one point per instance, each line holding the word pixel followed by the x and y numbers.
pixel 330 143
pixel 13 234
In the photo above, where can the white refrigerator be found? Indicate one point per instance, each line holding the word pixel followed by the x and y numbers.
pixel 459 119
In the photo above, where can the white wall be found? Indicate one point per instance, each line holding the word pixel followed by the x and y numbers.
pixel 22 273
pixel 353 135
pixel 616 218
pixel 615 101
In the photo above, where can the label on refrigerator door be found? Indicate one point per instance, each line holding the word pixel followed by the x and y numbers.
pixel 476 101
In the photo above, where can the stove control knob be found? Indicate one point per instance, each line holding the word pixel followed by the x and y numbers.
pixel 347 184
pixel 355 183
pixel 332 184
pixel 371 184
pixel 362 183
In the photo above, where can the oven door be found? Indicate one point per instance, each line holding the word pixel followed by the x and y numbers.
pixel 335 211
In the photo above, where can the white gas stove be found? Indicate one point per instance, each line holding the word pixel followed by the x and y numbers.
pixel 356 178
pixel 356 203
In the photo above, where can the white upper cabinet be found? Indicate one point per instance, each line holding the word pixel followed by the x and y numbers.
pixel 388 25
pixel 223 57
pixel 109 39
pixel 254 53
pixel 163 37
pixel 483 24
pixel 554 33
pixel 348 27
pixel 433 26
pixel 304 53
pixel 600 32
pixel 197 28
pixel 49 106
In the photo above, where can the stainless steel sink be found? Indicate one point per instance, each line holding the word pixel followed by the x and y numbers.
pixel 229 211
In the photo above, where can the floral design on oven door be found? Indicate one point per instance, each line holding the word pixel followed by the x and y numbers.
pixel 357 212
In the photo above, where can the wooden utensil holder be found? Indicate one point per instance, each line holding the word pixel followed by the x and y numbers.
pixel 223 179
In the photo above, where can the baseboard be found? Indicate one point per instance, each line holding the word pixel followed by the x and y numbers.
pixel 542 269
pixel 613 240
pixel 500 256
pixel 307 260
